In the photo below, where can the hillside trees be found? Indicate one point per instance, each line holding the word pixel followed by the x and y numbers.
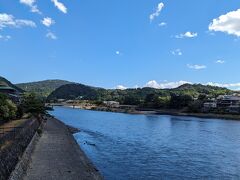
pixel 32 104
pixel 179 101
pixel 156 101
pixel 8 110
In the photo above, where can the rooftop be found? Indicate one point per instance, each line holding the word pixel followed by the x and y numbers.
pixel 229 97
pixel 6 88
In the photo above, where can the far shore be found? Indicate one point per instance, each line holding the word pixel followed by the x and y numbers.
pixel 200 115
pixel 160 112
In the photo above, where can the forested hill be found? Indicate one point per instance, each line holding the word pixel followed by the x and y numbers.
pixel 77 91
pixel 5 82
pixel 132 96
pixel 42 88
pixel 203 89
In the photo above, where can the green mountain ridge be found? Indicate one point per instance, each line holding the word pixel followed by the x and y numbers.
pixel 131 96
pixel 203 89
pixel 42 88
pixel 61 89
pixel 77 91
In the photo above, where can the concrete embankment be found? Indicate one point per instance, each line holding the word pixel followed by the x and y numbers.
pixel 15 137
pixel 58 156
pixel 199 115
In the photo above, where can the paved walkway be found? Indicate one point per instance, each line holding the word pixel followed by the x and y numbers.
pixel 57 156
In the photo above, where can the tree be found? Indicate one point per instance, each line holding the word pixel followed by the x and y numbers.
pixel 150 100
pixel 195 106
pixel 179 101
pixel 33 104
pixel 202 97
pixel 8 109
pixel 163 102
pixel 131 100
pixel 156 101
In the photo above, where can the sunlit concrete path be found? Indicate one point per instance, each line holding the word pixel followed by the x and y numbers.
pixel 58 156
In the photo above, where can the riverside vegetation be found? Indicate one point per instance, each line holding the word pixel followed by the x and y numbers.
pixel 15 106
pixel 30 104
pixel 186 98
pixel 21 114
pixel 19 121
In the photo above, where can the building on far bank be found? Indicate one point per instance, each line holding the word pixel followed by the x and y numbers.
pixel 231 103
pixel 210 105
pixel 111 104
pixel 228 100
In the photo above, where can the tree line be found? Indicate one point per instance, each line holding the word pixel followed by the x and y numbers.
pixel 29 104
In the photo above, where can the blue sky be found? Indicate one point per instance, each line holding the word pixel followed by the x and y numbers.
pixel 127 43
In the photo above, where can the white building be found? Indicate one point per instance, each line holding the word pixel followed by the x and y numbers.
pixel 112 104
pixel 210 105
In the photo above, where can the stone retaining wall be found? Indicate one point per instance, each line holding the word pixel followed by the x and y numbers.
pixel 22 165
pixel 10 155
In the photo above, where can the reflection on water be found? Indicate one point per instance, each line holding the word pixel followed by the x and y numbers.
pixel 127 146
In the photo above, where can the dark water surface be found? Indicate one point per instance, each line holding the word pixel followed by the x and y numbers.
pixel 125 146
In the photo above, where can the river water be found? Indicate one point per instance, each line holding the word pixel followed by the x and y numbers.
pixel 125 146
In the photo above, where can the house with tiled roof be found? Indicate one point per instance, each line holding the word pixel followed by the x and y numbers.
pixel 12 93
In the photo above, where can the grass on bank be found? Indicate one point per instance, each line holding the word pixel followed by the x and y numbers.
pixel 8 126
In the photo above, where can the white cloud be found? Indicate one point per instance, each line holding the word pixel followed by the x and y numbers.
pixel 23 22
pixel 5 38
pixel 220 61
pixel 48 21
pixel 210 33
pixel 60 6
pixel 157 12
pixel 226 85
pixel 196 66
pixel 228 23
pixel 170 85
pixel 187 35
pixel 177 52
pixel 152 84
pixel 32 5
pixel 7 20
pixel 162 24
pixel 51 35
pixel 121 87
pixel 165 85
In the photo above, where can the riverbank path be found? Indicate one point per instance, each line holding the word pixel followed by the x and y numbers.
pixel 57 156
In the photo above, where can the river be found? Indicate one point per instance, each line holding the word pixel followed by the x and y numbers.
pixel 125 146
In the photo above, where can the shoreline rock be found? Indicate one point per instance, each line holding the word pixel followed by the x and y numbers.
pixel 73 130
